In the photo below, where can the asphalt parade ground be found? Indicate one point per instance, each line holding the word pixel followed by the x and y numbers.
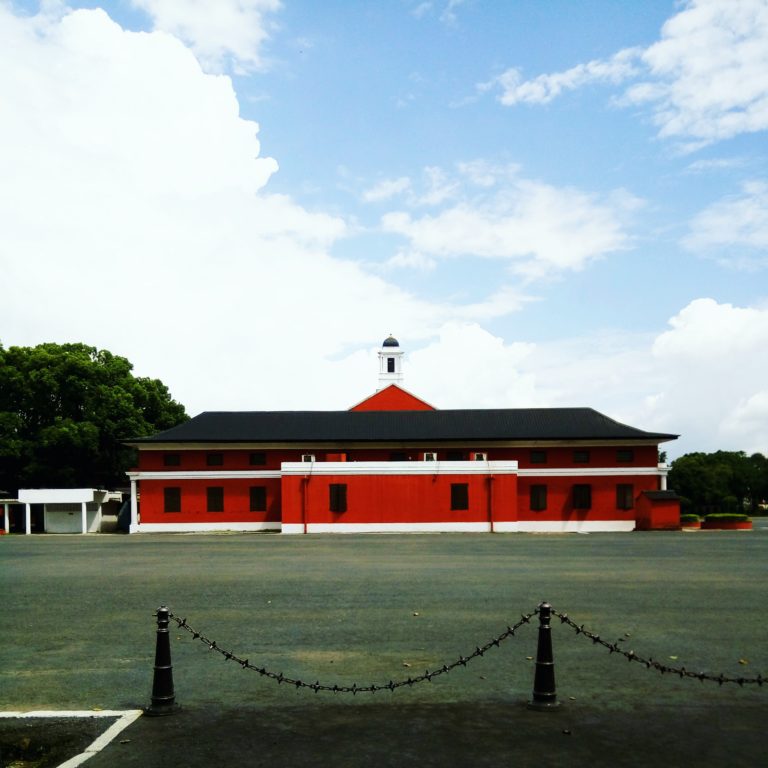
pixel 79 633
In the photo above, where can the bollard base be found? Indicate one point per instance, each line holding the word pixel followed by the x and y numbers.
pixel 543 706
pixel 161 710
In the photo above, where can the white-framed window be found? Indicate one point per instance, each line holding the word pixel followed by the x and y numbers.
pixel 307 456
pixel 480 457
pixel 430 456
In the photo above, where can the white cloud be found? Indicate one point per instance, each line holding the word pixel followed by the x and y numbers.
pixel 540 230
pixel 405 259
pixel 735 226
pixel 218 32
pixel 705 79
pixel 545 88
pixel 702 378
pixel 714 367
pixel 386 189
pixel 135 217
pixel 451 370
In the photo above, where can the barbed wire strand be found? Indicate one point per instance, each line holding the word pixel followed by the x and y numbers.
pixel 650 663
pixel 354 689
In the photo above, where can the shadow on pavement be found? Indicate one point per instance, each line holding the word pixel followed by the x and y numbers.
pixel 386 734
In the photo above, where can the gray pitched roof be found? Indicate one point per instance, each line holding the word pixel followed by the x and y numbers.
pixel 401 426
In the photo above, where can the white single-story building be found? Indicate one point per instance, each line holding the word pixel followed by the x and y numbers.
pixel 65 510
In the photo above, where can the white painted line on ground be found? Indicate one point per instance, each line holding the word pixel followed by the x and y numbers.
pixel 124 718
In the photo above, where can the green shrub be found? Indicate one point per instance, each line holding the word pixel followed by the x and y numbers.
pixel 689 518
pixel 735 517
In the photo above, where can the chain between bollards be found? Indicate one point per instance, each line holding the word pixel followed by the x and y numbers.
pixel 544 695
pixel 163 696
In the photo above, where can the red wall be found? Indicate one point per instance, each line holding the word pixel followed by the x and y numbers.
pixel 152 461
pixel 658 514
pixel 560 497
pixel 392 398
pixel 194 501
pixel 424 498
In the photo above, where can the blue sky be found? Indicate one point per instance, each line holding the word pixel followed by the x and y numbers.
pixel 548 203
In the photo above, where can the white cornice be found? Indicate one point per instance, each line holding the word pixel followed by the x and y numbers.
pixel 590 472
pixel 203 474
pixel 399 467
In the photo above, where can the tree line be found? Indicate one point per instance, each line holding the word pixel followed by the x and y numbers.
pixel 65 410
pixel 723 481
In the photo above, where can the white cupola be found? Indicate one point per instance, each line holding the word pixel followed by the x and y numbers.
pixel 390 363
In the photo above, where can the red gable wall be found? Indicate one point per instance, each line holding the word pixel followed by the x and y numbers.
pixel 392 398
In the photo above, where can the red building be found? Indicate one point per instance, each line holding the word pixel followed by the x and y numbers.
pixel 394 463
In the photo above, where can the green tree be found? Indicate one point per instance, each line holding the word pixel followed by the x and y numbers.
pixel 65 410
pixel 724 481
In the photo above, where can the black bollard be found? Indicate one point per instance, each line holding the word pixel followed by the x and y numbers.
pixel 544 696
pixel 163 697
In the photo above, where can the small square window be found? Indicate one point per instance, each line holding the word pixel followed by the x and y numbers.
pixel 337 497
pixel 538 457
pixel 215 496
pixel 257 459
pixel 581 456
pixel 459 496
pixel 538 498
pixel 172 499
pixel 625 496
pixel 214 459
pixel 258 498
pixel 582 497
pixel 171 459
pixel 625 454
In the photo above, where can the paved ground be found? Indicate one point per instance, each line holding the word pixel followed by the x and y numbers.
pixel 79 633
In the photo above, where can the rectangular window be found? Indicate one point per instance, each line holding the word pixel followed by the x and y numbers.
pixel 625 496
pixel 214 459
pixel 538 497
pixel 258 498
pixel 430 456
pixel 215 498
pixel 582 497
pixel 456 456
pixel 459 496
pixel 538 457
pixel 479 457
pixel 625 454
pixel 390 365
pixel 257 459
pixel 171 459
pixel 172 499
pixel 581 456
pixel 337 497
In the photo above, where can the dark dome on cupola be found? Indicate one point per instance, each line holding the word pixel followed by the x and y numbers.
pixel 391 341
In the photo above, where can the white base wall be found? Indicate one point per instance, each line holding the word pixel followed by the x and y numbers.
pixel 574 526
pixel 448 527
pixel 524 526
pixel 203 527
